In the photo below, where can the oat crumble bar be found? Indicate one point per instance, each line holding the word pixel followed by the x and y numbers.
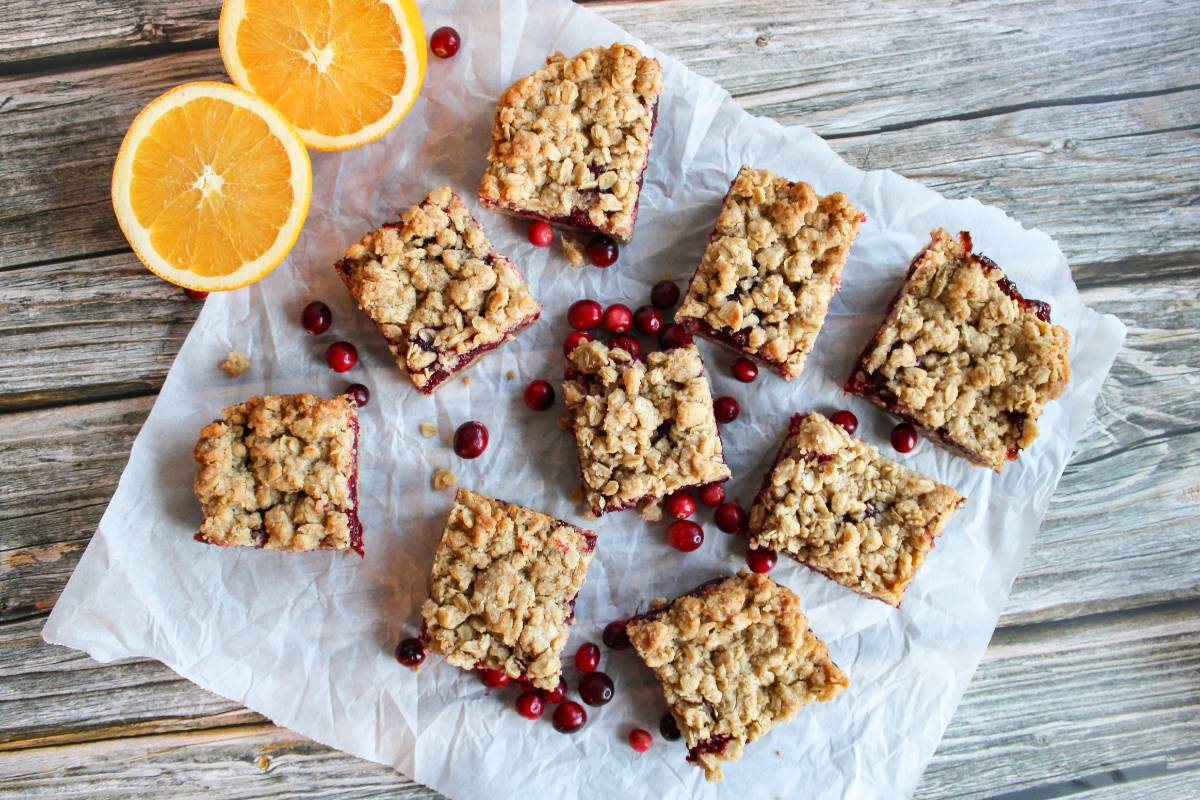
pixel 964 356
pixel 834 504
pixel 735 657
pixel 773 263
pixel 437 290
pixel 503 591
pixel 570 142
pixel 643 429
pixel 281 473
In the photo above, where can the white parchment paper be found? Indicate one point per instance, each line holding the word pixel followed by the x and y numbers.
pixel 307 639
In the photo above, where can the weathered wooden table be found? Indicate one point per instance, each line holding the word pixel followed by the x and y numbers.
pixel 1081 118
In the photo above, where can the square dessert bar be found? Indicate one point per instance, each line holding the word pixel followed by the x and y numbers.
pixel 962 355
pixel 773 263
pixel 281 473
pixel 437 291
pixel 644 429
pixel 834 504
pixel 735 657
pixel 570 142
pixel 504 585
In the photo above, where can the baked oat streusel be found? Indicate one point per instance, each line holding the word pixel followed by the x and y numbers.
pixel 504 585
pixel 644 429
pixel 735 657
pixel 437 291
pixel 281 473
pixel 773 263
pixel 964 356
pixel 570 142
pixel 835 504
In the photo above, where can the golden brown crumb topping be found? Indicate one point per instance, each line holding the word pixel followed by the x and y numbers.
pixel 644 429
pixel 277 472
pixel 735 658
pixel 235 363
pixel 571 140
pixel 772 265
pixel 504 583
pixel 834 503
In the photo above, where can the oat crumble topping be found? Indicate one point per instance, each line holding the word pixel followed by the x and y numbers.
pixel 835 504
pixel 735 657
pixel 428 429
pixel 443 479
pixel 574 248
pixel 503 589
pixel 772 265
pixel 235 363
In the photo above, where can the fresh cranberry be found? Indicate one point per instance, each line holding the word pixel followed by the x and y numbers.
pixel 540 233
pixel 495 678
pixel 616 634
pixel 649 320
pixel 341 356
pixel 445 42
pixel 530 705
pixel 410 652
pixel 761 560
pixel 471 439
pixel 904 437
pixel 685 535
pixel 726 409
pixel 680 504
pixel 556 695
pixel 583 315
pixel 596 688
pixel 640 740
pixel 316 317
pixel 846 420
pixel 573 339
pixel 603 251
pixel 587 657
pixel 674 335
pixel 664 295
pixel 744 370
pixel 569 717
pixel 618 318
pixel 712 494
pixel 199 294
pixel 628 343
pixel 669 728
pixel 360 394
pixel 539 395
pixel 730 518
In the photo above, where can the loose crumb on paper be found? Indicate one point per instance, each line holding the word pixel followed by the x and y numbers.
pixel 235 363
pixel 651 511
pixel 263 763
pixel 467 380
pixel 574 248
pixel 511 375
pixel 443 478
pixel 428 429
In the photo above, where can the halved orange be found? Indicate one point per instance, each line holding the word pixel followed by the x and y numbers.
pixel 343 71
pixel 211 186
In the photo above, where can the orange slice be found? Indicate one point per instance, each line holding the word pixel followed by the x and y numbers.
pixel 343 71
pixel 211 186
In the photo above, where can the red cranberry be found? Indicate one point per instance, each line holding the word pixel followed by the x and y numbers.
pixel 664 295
pixel 410 652
pixel 199 294
pixel 680 504
pixel 569 717
pixel 539 395
pixel 530 705
pixel 744 370
pixel 669 728
pixel 649 320
pixel 627 343
pixel 471 439
pixel 603 251
pixel 540 233
pixel 846 420
pixel 573 339
pixel 445 42
pixel 495 678
pixel 712 494
pixel 341 356
pixel 359 393
pixel 674 335
pixel 640 740
pixel 583 315
pixel 556 695
pixel 616 634
pixel 761 560
pixel 685 535
pixel 618 318
pixel 596 688
pixel 726 409
pixel 316 317
pixel 904 437
pixel 587 657
pixel 730 518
